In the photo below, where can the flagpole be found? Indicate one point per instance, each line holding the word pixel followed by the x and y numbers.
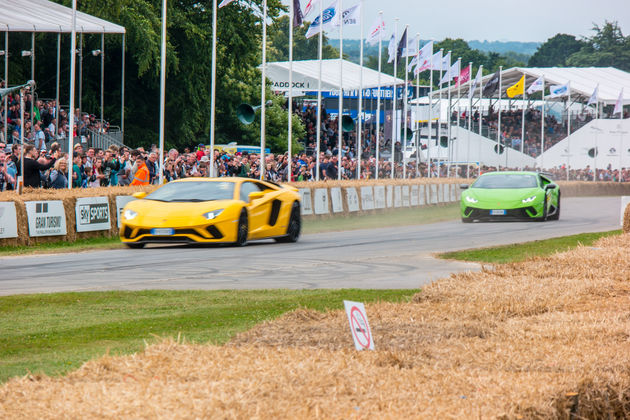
pixel 319 93
pixel 213 85
pixel 469 119
pixel 448 119
pixel 360 116
pixel 596 133
pixel 542 126
pixel 439 118
pixel 499 120
pixel 394 98
pixel 73 64
pixel 290 107
pixel 162 92
pixel 568 129
pixel 523 118
pixel 404 118
pixel 620 131
pixel 378 99
pixel 340 114
pixel 417 126
pixel 430 134
pixel 480 117
pixel 459 98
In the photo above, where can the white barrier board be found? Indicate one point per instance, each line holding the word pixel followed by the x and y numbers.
pixel 321 201
pixel 454 188
pixel 433 194
pixel 367 198
pixel 413 200
pixel 92 213
pixel 307 203
pixel 121 202
pixel 336 200
pixel 446 193
pixel 422 195
pixel 379 196
pixel 625 200
pixel 405 195
pixel 397 196
pixel 46 218
pixel 440 193
pixel 352 199
pixel 390 196
pixel 8 220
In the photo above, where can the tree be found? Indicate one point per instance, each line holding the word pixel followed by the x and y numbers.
pixel 303 49
pixel 608 47
pixel 555 51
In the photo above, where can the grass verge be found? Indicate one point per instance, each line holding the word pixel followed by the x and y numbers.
pixel 526 250
pixel 55 333
pixel 397 217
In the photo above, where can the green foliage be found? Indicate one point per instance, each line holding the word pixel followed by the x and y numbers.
pixel 607 47
pixel 303 49
pixel 555 51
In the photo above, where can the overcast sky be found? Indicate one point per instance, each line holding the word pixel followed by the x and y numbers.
pixel 492 20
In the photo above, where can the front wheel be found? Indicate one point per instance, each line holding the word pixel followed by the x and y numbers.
pixel 556 215
pixel 295 225
pixel 467 220
pixel 242 231
pixel 544 215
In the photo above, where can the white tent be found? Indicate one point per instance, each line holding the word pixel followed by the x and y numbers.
pixel 46 16
pixel 583 82
pixel 306 76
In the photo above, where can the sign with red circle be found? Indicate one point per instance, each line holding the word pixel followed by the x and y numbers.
pixel 359 326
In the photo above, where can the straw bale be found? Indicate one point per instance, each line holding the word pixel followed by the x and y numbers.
pixel 626 220
pixel 547 338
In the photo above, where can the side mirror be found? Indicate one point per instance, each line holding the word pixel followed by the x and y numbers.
pixel 551 186
pixel 256 195
pixel 463 186
pixel 139 195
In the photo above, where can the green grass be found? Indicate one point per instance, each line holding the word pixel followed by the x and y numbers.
pixel 397 217
pixel 55 333
pixel 526 250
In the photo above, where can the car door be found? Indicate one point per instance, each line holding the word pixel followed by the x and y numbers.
pixel 258 209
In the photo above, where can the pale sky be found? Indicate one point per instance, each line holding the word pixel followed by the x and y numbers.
pixel 492 20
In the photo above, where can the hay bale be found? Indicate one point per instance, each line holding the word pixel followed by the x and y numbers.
pixel 626 220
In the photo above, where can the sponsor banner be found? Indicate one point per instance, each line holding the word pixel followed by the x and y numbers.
pixel 321 201
pixel 405 196
pixel 440 193
pixel 352 199
pixel 446 193
pixel 121 202
pixel 422 195
pixel 379 196
pixel 390 196
pixel 413 200
pixel 307 203
pixel 397 196
pixel 8 220
pixel 367 198
pixel 335 198
pixel 454 189
pixel 433 194
pixel 92 214
pixel 46 218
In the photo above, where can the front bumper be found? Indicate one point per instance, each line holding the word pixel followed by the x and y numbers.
pixel 211 233
pixel 520 213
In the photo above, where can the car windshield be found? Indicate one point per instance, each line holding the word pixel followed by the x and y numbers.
pixel 193 192
pixel 506 181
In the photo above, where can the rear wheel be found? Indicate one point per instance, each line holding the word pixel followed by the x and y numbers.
pixel 294 227
pixel 242 230
pixel 133 245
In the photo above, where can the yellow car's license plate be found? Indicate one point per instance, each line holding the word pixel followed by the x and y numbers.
pixel 162 231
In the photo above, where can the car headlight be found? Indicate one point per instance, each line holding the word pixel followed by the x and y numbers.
pixel 471 199
pixel 529 200
pixel 212 214
pixel 129 214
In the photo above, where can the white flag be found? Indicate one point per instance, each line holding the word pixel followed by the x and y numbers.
pixel 537 86
pixel 225 3
pixel 475 82
pixel 413 62
pixel 593 98
pixel 424 58
pixel 451 73
pixel 437 61
pixel 351 16
pixel 310 6
pixel 331 19
pixel 391 49
pixel 412 48
pixel 376 31
pixel 619 104
pixel 557 91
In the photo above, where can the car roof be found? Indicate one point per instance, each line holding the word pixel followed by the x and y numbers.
pixel 232 179
pixel 511 173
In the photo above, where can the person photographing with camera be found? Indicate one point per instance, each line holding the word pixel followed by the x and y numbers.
pixel 32 167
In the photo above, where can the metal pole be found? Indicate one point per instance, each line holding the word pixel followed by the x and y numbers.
pixel 6 85
pixel 290 107
pixel 80 76
pixel 213 86
pixel 102 80
pixel 32 76
pixel 340 114
pixel 480 116
pixel 499 119
pixel 378 98
pixel 418 128
pixel 57 88
pixel 523 118
pixel 439 118
pixel 360 120
pixel 596 134
pixel 430 134
pixel 469 114
pixel 122 90
pixel 404 118
pixel 542 126
pixel 394 99
pixel 448 120
pixel 620 131
pixel 459 111
pixel 319 92
pixel 73 65
pixel 21 183
pixel 162 91
pixel 569 130
pixel 262 90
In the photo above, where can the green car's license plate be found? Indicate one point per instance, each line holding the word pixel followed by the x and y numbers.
pixel 497 212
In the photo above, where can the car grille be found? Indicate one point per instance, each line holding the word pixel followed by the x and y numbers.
pixel 475 213
pixel 212 231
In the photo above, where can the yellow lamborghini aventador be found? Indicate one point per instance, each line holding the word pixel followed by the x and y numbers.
pixel 211 210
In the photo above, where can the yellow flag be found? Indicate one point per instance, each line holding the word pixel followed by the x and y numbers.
pixel 517 89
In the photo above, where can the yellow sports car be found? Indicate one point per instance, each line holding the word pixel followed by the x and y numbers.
pixel 212 210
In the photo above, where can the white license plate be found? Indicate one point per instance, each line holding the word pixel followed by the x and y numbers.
pixel 162 231
pixel 497 212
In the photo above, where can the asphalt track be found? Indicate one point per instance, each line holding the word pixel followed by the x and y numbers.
pixel 377 258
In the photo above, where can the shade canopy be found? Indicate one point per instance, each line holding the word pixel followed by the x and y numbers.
pixel 47 16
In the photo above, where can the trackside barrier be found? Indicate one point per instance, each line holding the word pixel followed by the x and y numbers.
pixel 40 216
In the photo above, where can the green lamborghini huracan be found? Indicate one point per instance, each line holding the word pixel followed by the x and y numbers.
pixel 510 196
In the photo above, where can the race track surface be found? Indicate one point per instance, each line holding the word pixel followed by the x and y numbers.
pixel 378 258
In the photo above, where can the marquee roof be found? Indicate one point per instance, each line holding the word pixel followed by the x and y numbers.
pixel 47 16
pixel 583 81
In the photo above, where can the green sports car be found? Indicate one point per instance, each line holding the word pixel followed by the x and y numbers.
pixel 509 196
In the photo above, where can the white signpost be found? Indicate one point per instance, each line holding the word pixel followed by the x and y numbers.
pixel 46 218
pixel 92 213
pixel 405 196
pixel 352 199
pixel 307 204
pixel 359 326
pixel 8 220
pixel 397 196
pixel 335 198
pixel 321 201
pixel 390 196
pixel 414 196
pixel 422 195
pixel 367 198
pixel 379 196
pixel 121 202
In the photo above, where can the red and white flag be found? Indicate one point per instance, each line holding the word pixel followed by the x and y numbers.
pixel 464 76
pixel 225 3
pixel 310 6
pixel 424 58
pixel 376 31
pixel 619 104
